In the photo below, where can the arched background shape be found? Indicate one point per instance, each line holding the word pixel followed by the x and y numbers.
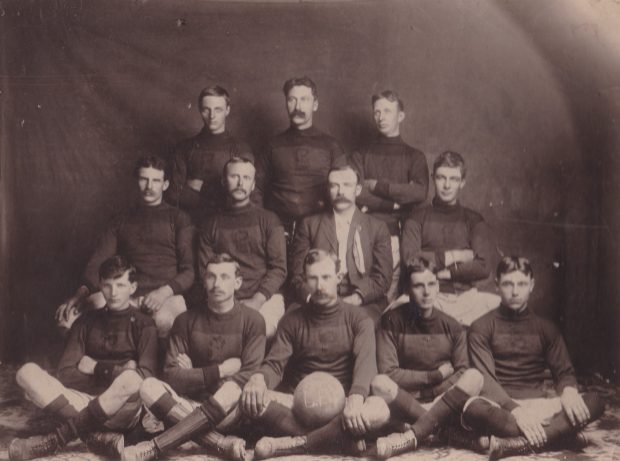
pixel 527 91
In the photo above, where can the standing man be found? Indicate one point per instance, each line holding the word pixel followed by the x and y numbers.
pixel 211 354
pixel 422 355
pixel 513 347
pixel 361 242
pixel 395 174
pixel 195 186
pixel 108 353
pixel 254 237
pixel 291 171
pixel 328 335
pixel 456 239
pixel 158 239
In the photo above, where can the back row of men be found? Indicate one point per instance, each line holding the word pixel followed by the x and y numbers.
pixel 216 181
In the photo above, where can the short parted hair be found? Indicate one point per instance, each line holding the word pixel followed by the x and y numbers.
pixel 235 160
pixel 391 96
pixel 300 81
pixel 510 264
pixel 214 90
pixel 450 159
pixel 316 255
pixel 346 167
pixel 220 258
pixel 152 161
pixel 114 268
pixel 417 266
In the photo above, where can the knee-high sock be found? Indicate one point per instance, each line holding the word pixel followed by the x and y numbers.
pixel 450 403
pixel 282 420
pixel 559 424
pixel 331 438
pixel 61 406
pixel 202 419
pixel 406 407
pixel 86 421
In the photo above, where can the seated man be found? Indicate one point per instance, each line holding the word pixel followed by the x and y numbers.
pixel 108 353
pixel 254 237
pixel 211 354
pixel 195 186
pixel 422 354
pixel 361 242
pixel 456 239
pixel 513 347
pixel 324 335
pixel 157 239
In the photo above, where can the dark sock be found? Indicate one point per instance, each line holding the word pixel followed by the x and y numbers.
pixel 485 418
pixel 560 426
pixel 282 420
pixel 61 406
pixel 330 438
pixel 82 424
pixel 162 409
pixel 406 407
pixel 450 403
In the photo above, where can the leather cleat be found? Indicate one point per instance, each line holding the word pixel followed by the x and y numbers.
pixel 143 451
pixel 269 447
pixel 396 444
pixel 33 447
pixel 231 447
pixel 511 446
pixel 108 444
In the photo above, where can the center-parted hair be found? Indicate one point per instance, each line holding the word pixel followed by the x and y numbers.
pixel 114 268
pixel 152 161
pixel 235 160
pixel 300 81
pixel 510 264
pixel 214 90
pixel 391 96
pixel 450 159
pixel 316 255
pixel 220 258
pixel 417 266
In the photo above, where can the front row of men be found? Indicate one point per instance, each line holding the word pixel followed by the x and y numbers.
pixel 216 374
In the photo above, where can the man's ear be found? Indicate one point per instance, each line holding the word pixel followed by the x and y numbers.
pixel 315 105
pixel 462 184
pixel 238 282
pixel 339 276
pixel 227 110
pixel 134 287
pixel 358 190
pixel 166 185
pixel 532 285
pixel 401 116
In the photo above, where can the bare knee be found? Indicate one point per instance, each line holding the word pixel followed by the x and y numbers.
pixel 383 386
pixel 126 384
pixel 471 381
pixel 151 390
pixel 376 412
pixel 228 395
pixel 29 374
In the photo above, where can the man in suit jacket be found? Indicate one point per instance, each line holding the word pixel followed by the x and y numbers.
pixel 361 242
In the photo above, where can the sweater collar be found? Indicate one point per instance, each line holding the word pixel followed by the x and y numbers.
pixel 226 315
pixel 381 139
pixel 445 208
pixel 415 315
pixel 206 133
pixel 509 313
pixel 312 131
pixel 239 210
pixel 321 312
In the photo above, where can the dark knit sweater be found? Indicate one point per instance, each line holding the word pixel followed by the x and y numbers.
pixel 411 348
pixel 436 228
pixel 209 338
pixel 157 240
pixel 402 175
pixel 514 350
pixel 254 237
pixel 339 341
pixel 292 171
pixel 203 157
pixel 111 338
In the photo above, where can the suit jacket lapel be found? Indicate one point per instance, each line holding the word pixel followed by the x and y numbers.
pixel 328 226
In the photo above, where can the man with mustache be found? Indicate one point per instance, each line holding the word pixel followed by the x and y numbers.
pixel 157 238
pixel 291 171
pixel 198 161
pixel 254 237
pixel 362 243
pixel 395 174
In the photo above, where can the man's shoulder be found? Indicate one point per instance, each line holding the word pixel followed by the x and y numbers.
pixel 395 318
pixel 472 215
pixel 141 319
pixel 448 320
pixel 250 315
pixel 419 214
pixel 485 321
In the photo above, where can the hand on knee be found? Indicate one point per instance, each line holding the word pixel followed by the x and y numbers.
pixel 471 382
pixel 383 386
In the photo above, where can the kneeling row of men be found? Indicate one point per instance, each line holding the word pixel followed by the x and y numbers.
pixel 407 382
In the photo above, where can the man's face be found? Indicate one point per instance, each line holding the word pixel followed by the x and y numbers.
pixel 214 111
pixel 448 184
pixel 152 185
pixel 343 189
pixel 387 117
pixel 423 289
pixel 323 281
pixel 515 289
pixel 117 292
pixel 221 282
pixel 239 181
pixel 301 105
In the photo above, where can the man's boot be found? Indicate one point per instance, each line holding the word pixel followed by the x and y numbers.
pixel 108 444
pixel 36 446
pixel 510 446
pixel 269 447
pixel 396 444
pixel 457 437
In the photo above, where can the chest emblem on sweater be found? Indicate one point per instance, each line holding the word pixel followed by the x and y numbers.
pixel 241 240
pixel 215 345
pixel 303 158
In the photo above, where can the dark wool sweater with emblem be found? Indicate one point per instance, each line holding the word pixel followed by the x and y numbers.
pixel 339 340
pixel 401 172
pixel 434 229
pixel 513 349
pixel 208 338
pixel 111 338
pixel 292 171
pixel 158 240
pixel 254 237
pixel 410 349
pixel 203 157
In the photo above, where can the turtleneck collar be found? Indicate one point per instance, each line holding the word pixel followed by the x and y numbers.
pixel 321 312
pixel 509 313
pixel 311 131
pixel 206 133
pixel 444 207
pixel 415 315
pixel 114 313
pixel 239 210
pixel 381 139
pixel 226 315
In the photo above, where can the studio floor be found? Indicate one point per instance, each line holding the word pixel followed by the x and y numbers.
pixel 19 418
